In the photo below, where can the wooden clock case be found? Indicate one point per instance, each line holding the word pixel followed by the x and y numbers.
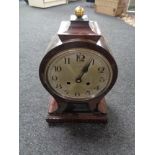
pixel 78 32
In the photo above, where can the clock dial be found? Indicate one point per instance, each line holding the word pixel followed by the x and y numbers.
pixel 78 74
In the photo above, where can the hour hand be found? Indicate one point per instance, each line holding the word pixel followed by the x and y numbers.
pixel 86 66
pixel 83 71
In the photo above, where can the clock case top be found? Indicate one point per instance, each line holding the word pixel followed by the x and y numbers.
pixel 78 32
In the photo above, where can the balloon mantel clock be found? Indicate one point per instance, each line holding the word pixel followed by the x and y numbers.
pixel 78 71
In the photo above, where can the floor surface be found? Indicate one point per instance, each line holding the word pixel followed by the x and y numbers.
pixel 37 26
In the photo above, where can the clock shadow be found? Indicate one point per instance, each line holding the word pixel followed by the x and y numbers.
pixel 95 132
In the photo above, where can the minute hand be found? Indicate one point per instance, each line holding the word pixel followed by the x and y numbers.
pixel 83 71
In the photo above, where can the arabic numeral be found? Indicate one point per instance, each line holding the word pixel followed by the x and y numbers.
pixel 97 88
pixel 93 61
pixel 77 94
pixel 88 92
pixel 67 60
pixel 80 57
pixel 102 79
pixel 54 78
pixel 59 86
pixel 57 68
pixel 66 91
pixel 101 69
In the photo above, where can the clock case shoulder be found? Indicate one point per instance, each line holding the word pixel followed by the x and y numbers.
pixel 78 30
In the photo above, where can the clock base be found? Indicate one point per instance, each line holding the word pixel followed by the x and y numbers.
pixel 77 115
pixel 77 118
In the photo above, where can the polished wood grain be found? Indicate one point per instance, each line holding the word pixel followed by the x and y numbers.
pixel 99 115
pixel 79 33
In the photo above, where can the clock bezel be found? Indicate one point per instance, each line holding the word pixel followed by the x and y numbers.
pixel 78 44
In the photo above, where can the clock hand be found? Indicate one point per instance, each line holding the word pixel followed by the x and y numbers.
pixel 83 71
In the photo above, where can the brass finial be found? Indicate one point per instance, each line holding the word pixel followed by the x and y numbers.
pixel 79 11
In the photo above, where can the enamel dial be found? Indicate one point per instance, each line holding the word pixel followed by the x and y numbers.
pixel 78 74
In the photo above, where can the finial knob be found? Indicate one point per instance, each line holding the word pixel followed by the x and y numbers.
pixel 79 11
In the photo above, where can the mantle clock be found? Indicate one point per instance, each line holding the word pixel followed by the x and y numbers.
pixel 78 71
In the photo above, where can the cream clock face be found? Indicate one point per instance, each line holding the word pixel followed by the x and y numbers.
pixel 78 74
